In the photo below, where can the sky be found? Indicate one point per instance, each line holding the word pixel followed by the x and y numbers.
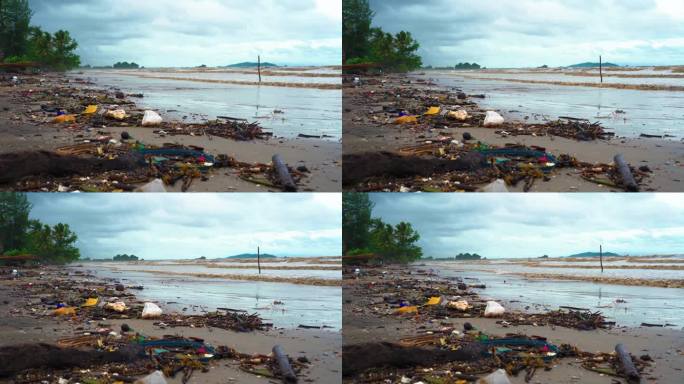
pixel 187 33
pixel 531 33
pixel 532 225
pixel 186 226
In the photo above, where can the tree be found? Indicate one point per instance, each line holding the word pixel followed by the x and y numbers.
pixel 394 52
pixel 356 28
pixel 15 17
pixel 54 244
pixel 395 243
pixel 14 220
pixel 356 221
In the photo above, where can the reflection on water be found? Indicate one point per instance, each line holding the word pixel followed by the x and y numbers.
pixel 302 304
pixel 286 112
pixel 641 304
pixel 650 112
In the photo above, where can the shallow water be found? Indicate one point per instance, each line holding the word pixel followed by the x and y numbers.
pixel 306 111
pixel 643 304
pixel 650 112
pixel 303 304
pixel 202 268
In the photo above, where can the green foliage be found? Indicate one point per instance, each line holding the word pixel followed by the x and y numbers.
pixel 364 44
pixel 356 28
pixel 125 257
pixel 15 17
pixel 125 65
pixel 467 66
pixel 467 256
pixel 52 244
pixel 53 51
pixel 14 220
pixel 356 220
pixel 395 244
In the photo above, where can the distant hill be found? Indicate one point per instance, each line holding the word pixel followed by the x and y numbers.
pixel 594 254
pixel 592 65
pixel 248 64
pixel 251 256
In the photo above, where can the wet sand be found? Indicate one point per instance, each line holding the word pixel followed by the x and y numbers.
pixel 321 157
pixel 665 158
pixel 322 348
pixel 665 346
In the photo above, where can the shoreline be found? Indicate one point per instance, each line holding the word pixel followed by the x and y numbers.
pixel 25 128
pixel 369 131
pixel 23 322
pixel 369 309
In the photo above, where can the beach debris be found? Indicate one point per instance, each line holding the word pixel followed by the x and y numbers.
pixel 154 186
pixel 90 109
pixel 117 114
pixel 151 119
pixel 494 309
pixel 460 115
pixel 285 369
pixel 156 377
pixel 117 306
pixel 627 365
pixel 64 119
pixel 151 311
pixel 406 120
pixel 626 176
pixel 64 311
pixel 493 119
pixel 90 302
pixel 432 111
pixel 496 186
pixel 497 377
pixel 283 175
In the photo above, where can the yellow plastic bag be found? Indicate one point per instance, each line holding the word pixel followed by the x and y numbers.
pixel 406 120
pixel 405 310
pixel 64 311
pixel 91 302
pixel 64 119
pixel 432 111
pixel 434 301
pixel 90 110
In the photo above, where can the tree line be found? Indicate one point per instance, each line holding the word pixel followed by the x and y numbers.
pixel 20 42
pixel 21 235
pixel 363 234
pixel 363 43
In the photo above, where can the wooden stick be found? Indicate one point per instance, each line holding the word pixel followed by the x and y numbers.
pixel 601 256
pixel 283 173
pixel 628 182
pixel 286 371
pixel 628 367
pixel 601 68
pixel 259 66
pixel 259 260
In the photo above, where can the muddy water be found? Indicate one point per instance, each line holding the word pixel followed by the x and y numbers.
pixel 649 112
pixel 641 304
pixel 285 111
pixel 302 304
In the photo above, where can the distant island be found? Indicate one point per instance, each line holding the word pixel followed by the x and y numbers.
pixel 252 256
pixel 594 254
pixel 592 65
pixel 249 64
pixel 467 256
pixel 467 66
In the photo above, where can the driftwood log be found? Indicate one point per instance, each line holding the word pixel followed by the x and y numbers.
pixel 628 367
pixel 283 174
pixel 628 181
pixel 286 372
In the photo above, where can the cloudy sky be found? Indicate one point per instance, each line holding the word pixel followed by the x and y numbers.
pixel 530 33
pixel 167 226
pixel 165 33
pixel 531 225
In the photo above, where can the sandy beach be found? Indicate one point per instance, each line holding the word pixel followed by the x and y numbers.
pixel 24 319
pixel 369 317
pixel 367 129
pixel 24 126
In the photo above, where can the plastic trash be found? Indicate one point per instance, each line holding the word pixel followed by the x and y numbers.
pixel 494 309
pixel 154 186
pixel 497 377
pixel 461 305
pixel 91 302
pixel 432 111
pixel 64 311
pixel 64 119
pixel 156 377
pixel 434 301
pixel 151 119
pixel 150 311
pixel 406 120
pixel 497 186
pixel 118 306
pixel 493 119
pixel 407 309
pixel 117 114
pixel 90 110
pixel 460 115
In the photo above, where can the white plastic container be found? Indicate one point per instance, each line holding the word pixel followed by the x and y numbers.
pixel 493 119
pixel 494 309
pixel 150 311
pixel 151 119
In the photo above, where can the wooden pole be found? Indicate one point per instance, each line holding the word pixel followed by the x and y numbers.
pixel 259 67
pixel 628 368
pixel 259 260
pixel 601 256
pixel 628 181
pixel 287 374
pixel 601 67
